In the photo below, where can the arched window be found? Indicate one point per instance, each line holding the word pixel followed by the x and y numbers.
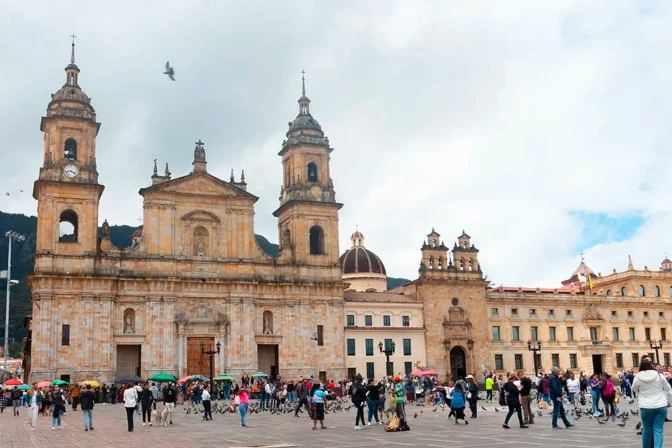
pixel 461 264
pixel 287 176
pixel 642 291
pixel 439 262
pixel 608 292
pixel 200 241
pixel 471 264
pixel 70 149
pixel 316 240
pixel 624 291
pixel 286 239
pixel 431 262
pixel 267 321
pixel 656 291
pixel 67 227
pixel 312 172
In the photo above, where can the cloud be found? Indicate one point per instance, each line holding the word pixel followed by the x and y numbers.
pixel 522 123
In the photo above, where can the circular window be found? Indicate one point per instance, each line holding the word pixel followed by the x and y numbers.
pixel 455 301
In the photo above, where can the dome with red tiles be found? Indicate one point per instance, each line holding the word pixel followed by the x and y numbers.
pixel 359 260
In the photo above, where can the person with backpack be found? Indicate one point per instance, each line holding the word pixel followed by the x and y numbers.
pixel 16 400
pixel 608 392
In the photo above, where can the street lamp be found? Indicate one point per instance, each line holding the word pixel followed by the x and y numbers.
pixel 11 235
pixel 656 347
pixel 211 353
pixel 388 351
pixel 534 349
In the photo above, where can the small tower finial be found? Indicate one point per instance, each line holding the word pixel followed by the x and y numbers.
pixel 72 55
pixel 167 172
pixel 630 266
pixel 303 82
pixel 156 171
pixel 233 179
pixel 242 176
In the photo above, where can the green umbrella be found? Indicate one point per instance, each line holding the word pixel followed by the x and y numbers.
pixel 260 375
pixel 59 383
pixel 24 387
pixel 224 377
pixel 198 378
pixel 163 378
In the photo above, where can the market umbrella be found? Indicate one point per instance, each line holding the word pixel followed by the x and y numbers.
pixel 224 377
pixel 42 384
pixel 198 378
pixel 13 382
pixel 260 375
pixel 420 372
pixel 184 379
pixel 129 379
pixel 92 383
pixel 59 383
pixel 24 387
pixel 163 378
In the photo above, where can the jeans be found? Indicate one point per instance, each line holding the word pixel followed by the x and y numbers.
pixel 88 418
pixel 514 406
pixel 559 409
pixel 265 398
pixel 546 398
pixel 373 409
pixel 652 427
pixel 207 410
pixel 129 417
pixel 16 403
pixel 608 406
pixel 55 420
pixel 595 395
pixel 472 405
pixel 242 408
pixel 292 396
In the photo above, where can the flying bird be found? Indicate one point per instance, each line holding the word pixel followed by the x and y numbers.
pixel 169 71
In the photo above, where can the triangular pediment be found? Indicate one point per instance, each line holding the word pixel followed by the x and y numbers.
pixel 200 184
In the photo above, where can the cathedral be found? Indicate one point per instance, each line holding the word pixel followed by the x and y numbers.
pixel 195 281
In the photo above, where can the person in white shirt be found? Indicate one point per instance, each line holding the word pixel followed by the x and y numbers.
pixel 138 390
pixel 268 393
pixel 130 403
pixel 574 389
pixel 205 398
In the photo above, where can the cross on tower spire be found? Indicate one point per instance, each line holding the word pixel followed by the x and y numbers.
pixel 581 254
pixel 303 82
pixel 72 55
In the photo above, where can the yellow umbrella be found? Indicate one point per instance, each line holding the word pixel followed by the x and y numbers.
pixel 93 383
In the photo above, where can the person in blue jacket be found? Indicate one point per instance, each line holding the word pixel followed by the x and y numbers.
pixel 555 390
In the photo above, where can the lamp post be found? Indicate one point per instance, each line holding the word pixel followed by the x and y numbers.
pixel 388 351
pixel 211 353
pixel 534 348
pixel 656 347
pixel 11 235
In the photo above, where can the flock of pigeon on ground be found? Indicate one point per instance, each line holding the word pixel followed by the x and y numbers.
pixel 344 405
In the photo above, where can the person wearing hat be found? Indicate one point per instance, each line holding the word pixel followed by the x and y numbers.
pixel 400 395
pixel 472 395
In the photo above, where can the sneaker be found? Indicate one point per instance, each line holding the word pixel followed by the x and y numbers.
pixel 86 429
pixel 150 424
pixel 53 427
pixel 91 429
pixel 369 424
pixel 144 424
pixel 524 426
pixel 358 427
pixel 378 423
pixel 505 426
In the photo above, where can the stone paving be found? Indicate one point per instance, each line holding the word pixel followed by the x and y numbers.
pixel 429 429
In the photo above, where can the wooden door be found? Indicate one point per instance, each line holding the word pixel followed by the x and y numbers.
pixel 198 363
pixel 128 360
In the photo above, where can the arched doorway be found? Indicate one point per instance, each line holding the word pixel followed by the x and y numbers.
pixel 458 363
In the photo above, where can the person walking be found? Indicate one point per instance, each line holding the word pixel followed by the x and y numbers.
pixel 319 404
pixel 372 401
pixel 654 395
pixel 33 404
pixel 513 401
pixel 358 399
pixel 58 404
pixel 608 393
pixel 574 390
pixel 86 399
pixel 74 394
pixel 146 399
pixel 155 395
pixel 207 404
pixel 244 397
pixel 526 398
pixel 130 403
pixel 302 397
pixel 16 400
pixel 489 382
pixel 458 401
pixel 472 395
pixel 555 393
pixel 113 393
pixel 170 398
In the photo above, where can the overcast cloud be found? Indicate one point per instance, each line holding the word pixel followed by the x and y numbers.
pixel 540 128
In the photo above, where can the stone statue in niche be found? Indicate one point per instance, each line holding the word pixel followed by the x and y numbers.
pixel 129 321
pixel 268 322
pixel 200 248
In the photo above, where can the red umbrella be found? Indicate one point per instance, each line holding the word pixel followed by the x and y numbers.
pixel 419 372
pixel 13 382
pixel 184 379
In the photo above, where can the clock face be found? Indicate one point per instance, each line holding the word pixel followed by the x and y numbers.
pixel 70 170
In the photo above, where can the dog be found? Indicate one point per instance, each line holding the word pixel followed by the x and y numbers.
pixel 162 417
pixel 155 416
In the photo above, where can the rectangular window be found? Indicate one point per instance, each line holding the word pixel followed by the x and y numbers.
pixel 370 371
pixel 614 314
pixel 555 359
pixel 386 321
pixel 514 311
pixel 537 359
pixel 647 334
pixel 368 320
pixel 495 311
pixel 534 333
pixel 615 334
pixel 65 335
pixel 619 360
pixel 388 345
pixel 570 333
pixel 635 360
pixel 408 367
pixel 351 347
pixel 407 347
pixel 593 334
pixel 519 361
pixel 573 363
pixel 631 332
pixel 405 321
pixel 551 312
pixel 663 336
pixel 666 359
pixel 551 333
pixel 568 313
pixel 499 362
pixel 369 347
pixel 351 320
pixel 515 330
pixel 661 314
pixel 646 314
pixel 629 314
pixel 533 312
pixel 495 333
pixel 320 335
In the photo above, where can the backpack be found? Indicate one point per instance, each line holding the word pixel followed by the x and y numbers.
pixel 16 394
pixel 608 389
pixel 403 426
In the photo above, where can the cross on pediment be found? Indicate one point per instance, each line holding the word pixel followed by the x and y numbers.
pixel 199 144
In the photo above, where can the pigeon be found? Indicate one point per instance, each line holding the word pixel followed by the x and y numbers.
pixel 496 410
pixel 483 407
pixel 540 414
pixel 601 422
pixel 415 415
pixel 639 425
pixel 169 71
pixel 434 410
pixel 622 425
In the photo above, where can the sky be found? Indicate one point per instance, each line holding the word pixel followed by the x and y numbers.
pixel 543 129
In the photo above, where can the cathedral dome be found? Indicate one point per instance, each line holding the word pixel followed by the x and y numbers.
pixel 71 93
pixel 361 260
pixel 303 123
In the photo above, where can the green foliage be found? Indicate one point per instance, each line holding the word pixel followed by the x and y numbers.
pixel 395 282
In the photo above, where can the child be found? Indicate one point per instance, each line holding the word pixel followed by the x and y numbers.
pixel 617 401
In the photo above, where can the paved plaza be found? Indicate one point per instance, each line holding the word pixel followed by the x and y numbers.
pixel 429 429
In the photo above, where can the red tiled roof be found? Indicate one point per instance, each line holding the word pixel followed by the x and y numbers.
pixel 380 297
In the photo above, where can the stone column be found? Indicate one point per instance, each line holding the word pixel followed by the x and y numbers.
pixel 181 345
pixel 223 340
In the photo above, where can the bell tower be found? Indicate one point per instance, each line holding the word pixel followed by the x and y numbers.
pixel 67 188
pixel 308 212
